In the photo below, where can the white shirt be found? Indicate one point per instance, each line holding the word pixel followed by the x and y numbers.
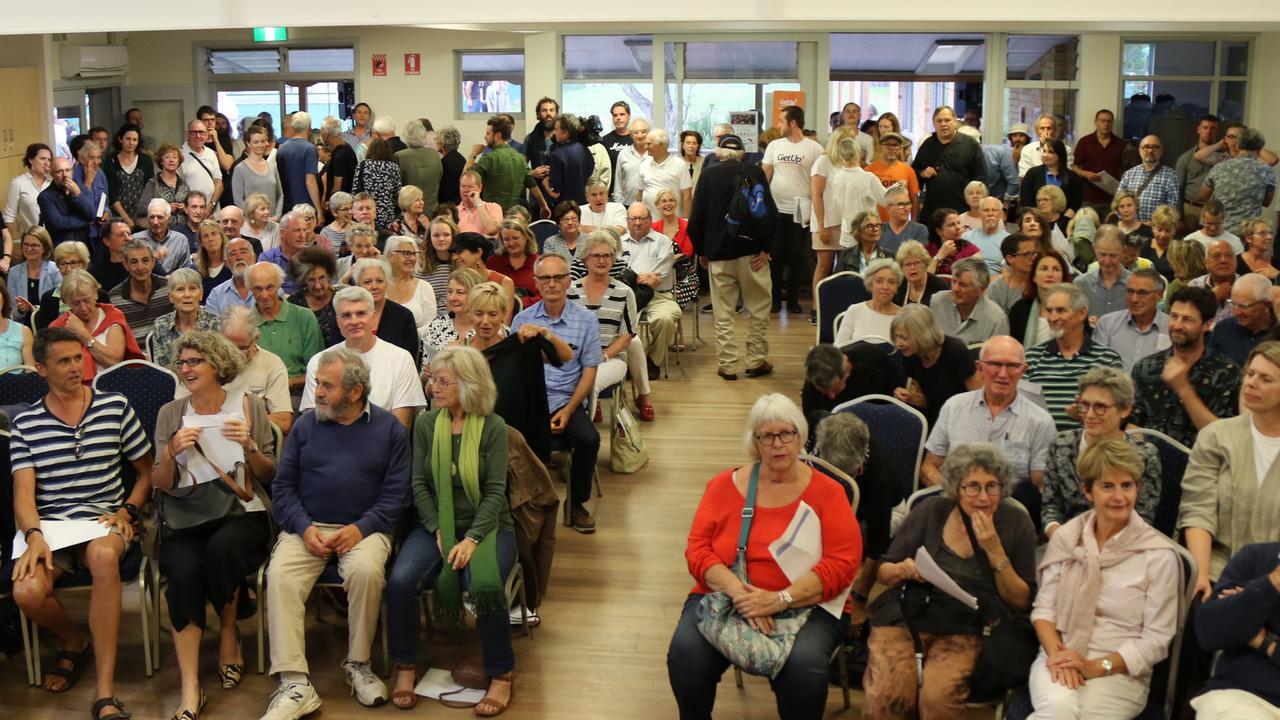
pixel 791 163
pixel 861 322
pixel 626 182
pixel 1206 241
pixel 423 306
pixel 849 191
pixel 614 215
pixel 20 206
pixel 394 381
pixel 671 174
pixel 194 171
pixel 651 254
pixel 266 377
pixel 1265 450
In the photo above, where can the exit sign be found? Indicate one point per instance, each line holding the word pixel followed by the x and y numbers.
pixel 270 34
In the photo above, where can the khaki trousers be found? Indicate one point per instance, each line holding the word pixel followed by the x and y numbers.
pixel 292 574
pixel 728 277
pixel 663 313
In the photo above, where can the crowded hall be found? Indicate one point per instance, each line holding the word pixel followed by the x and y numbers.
pixel 831 362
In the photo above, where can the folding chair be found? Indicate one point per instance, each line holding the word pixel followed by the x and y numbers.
pixel 147 386
pixel 834 295
pixel 902 429
pixel 513 588
pixel 1173 465
pixel 544 230
pixel 24 386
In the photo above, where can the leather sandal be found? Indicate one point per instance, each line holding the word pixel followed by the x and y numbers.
pixel 509 679
pixel 401 694
pixel 101 703
pixel 79 663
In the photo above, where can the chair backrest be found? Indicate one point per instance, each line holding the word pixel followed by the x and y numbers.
pixel 148 348
pixel 901 428
pixel 835 294
pixel 27 386
pixel 1190 572
pixel 851 491
pixel 921 495
pixel 1173 465
pixel 543 229
pixel 146 385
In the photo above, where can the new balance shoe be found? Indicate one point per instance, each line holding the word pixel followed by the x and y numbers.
pixel 292 701
pixel 368 688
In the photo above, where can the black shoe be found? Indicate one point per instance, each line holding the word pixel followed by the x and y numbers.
pixel 776 307
pixel 813 317
pixel 707 308
pixel 793 307
pixel 760 370
pixel 727 375
pixel 655 372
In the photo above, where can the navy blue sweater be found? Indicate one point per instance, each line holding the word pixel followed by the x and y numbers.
pixel 343 474
pixel 1229 623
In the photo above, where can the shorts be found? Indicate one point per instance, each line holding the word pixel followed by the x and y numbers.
pixel 70 560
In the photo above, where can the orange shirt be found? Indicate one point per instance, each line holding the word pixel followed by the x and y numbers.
pixel 713 539
pixel 900 172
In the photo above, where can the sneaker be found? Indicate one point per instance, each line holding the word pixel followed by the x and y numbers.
pixel 532 615
pixel 707 308
pixel 581 520
pixel 293 701
pixel 368 688
pixel 813 317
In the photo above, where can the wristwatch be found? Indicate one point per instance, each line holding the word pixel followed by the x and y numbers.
pixel 132 509
pixel 785 598
pixel 92 341
pixel 1107 667
pixel 1270 644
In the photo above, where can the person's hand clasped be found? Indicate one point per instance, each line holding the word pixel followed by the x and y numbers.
pixel 1064 666
pixel 758 607
pixel 316 543
pixel 460 554
pixel 342 540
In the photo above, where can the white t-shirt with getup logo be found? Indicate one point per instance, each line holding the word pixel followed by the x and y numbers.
pixel 791 163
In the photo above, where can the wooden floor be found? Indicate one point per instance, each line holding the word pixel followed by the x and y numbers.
pixel 613 601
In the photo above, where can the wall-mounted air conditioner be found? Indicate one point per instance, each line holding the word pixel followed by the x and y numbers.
pixel 92 61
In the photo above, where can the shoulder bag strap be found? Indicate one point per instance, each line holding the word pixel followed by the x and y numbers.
pixel 1150 176
pixel 981 556
pixel 915 632
pixel 204 167
pixel 748 512
pixel 243 494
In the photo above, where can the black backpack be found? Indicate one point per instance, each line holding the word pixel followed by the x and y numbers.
pixel 748 217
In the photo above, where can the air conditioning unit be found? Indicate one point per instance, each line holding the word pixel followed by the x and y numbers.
pixel 92 61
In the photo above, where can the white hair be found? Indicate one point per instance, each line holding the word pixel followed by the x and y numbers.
pixel 774 407
pixel 639 121
pixel 364 265
pixel 658 136
pixel 384 125
pixel 330 127
pixel 159 205
pixel 300 122
pixel 353 293
pixel 1256 285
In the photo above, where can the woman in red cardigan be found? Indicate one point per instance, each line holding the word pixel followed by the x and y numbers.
pixel 787 491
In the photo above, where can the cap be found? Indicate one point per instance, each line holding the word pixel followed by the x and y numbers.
pixel 471 241
pixel 902 141
pixel 732 142
pixel 1019 128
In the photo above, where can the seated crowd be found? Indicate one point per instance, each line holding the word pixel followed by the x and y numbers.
pixel 1052 340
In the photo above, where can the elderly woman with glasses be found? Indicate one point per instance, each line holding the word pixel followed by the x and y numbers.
pixel 101 327
pixel 337 231
pixel 776 486
pixel 1109 600
pixel 1258 257
pixel 568 216
pixel 1104 402
pixel 185 292
pixel 872 318
pixel 394 323
pixel 67 256
pixel 918 284
pixel 975 479
pixel 316 268
pixel 406 287
pixel 864 231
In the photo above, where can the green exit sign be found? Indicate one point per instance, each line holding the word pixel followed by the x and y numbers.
pixel 270 34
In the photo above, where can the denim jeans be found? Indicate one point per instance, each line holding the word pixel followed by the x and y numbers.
pixel 694 667
pixel 417 566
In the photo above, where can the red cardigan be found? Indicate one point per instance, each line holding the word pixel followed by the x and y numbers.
pixel 522 278
pixel 714 536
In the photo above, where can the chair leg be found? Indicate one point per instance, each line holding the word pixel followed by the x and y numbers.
pixel 28 651
pixel 595 476
pixel 144 601
pixel 737 676
pixel 386 641
pixel 262 613
pixel 38 675
pixel 843 664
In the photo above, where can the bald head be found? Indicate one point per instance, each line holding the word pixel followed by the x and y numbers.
pixel 232 219
pixel 1151 150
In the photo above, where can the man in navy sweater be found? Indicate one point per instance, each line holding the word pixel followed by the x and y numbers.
pixel 341 486
pixel 1242 619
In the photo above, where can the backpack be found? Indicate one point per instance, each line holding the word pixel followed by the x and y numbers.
pixel 748 215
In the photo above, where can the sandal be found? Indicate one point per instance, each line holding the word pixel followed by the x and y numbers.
pixel 79 663
pixel 187 714
pixel 231 674
pixel 101 703
pixel 509 679
pixel 412 696
pixel 647 414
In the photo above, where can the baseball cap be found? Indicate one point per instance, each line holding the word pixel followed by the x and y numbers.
pixel 732 142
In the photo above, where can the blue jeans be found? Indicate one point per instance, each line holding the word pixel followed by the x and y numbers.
pixel 694 668
pixel 417 566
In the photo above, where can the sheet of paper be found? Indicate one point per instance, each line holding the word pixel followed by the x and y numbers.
pixel 102 204
pixel 438 681
pixel 62 534
pixel 800 548
pixel 1107 182
pixel 938 578
pixel 804 208
pixel 220 450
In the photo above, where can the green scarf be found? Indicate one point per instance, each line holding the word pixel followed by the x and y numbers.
pixel 486 581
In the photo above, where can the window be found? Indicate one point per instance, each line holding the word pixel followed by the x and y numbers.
pixel 911 102
pixel 321 60
pixel 608 57
pixel 1041 57
pixel 244 62
pixel 1169 84
pixel 710 80
pixel 491 82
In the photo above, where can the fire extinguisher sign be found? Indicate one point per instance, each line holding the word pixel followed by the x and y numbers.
pixel 412 63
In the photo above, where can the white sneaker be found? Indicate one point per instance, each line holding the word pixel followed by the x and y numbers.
pixel 368 688
pixel 293 701
pixel 516 621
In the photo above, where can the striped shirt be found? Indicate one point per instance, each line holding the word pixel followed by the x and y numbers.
pixel 1059 377
pixel 616 309
pixel 78 488
pixel 142 318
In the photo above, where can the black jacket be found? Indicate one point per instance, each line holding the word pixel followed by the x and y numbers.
pixel 1072 187
pixel 1229 623
pixel 711 199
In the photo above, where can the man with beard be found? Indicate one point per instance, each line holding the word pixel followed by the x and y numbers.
pixel 540 141
pixel 1188 386
pixel 502 170
pixel 240 257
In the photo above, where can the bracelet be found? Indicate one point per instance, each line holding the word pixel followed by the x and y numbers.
pixel 860 597
pixel 1000 566
pixel 27 535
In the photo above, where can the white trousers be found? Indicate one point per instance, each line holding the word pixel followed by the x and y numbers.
pixel 1116 697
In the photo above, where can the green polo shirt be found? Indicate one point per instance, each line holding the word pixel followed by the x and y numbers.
pixel 505 176
pixel 294 335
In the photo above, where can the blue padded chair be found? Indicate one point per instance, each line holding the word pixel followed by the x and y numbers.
pixel 1173 465
pixel 542 230
pixel 835 294
pixel 26 386
pixel 901 428
pixel 147 386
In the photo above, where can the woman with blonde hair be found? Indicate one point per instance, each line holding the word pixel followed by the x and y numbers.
pixel 102 328
pixel 1186 259
pixel 211 256
pixel 918 284
pixel 1258 257
pixel 456 323
pixel 258 222
pixel 1164 223
pixel 937 367
pixel 1124 210
pixel 412 212
pixel 168 185
pixel 517 254
pixel 35 274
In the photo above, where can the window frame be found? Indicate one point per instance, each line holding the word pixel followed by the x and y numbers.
pixel 1215 80
pixel 462 113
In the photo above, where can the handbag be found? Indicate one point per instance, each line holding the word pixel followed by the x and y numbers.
pixel 1009 643
pixel 643 292
pixel 206 503
pixel 686 285
pixel 627 451
pixel 469 674
pixel 728 632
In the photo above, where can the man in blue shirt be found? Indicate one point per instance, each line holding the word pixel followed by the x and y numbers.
pixel 570 385
pixel 298 159
pixel 1251 321
pixel 334 506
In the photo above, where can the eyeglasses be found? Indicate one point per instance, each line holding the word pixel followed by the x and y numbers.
pixel 443 384
pixel 560 277
pixel 76 262
pixel 79 436
pixel 974 490
pixel 1149 147
pixel 786 436
pixel 1027 254
pixel 1009 366
pixel 1244 307
pixel 1095 408
pixel 407 253
pixel 1135 292
pixel 600 256
pixel 872 226
pixel 900 204
pixel 193 362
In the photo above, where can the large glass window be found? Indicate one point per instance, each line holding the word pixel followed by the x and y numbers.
pixel 1169 84
pixel 491 82
pixel 1040 75
pixel 911 102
